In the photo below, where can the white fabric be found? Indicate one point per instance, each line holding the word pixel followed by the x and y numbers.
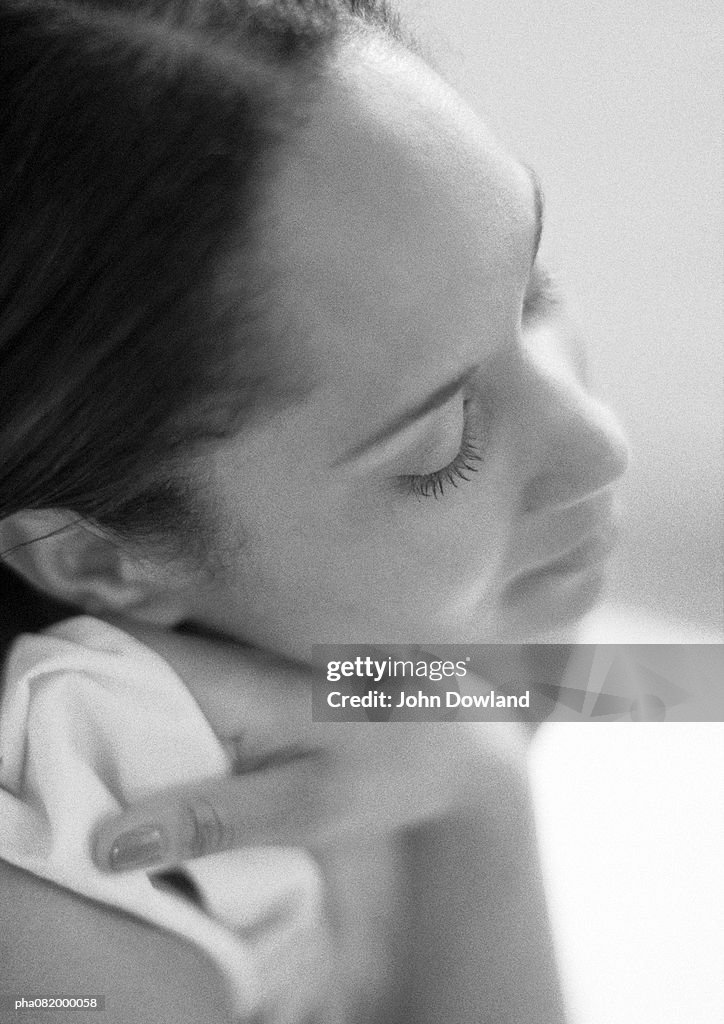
pixel 92 720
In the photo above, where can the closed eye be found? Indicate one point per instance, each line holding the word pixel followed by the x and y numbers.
pixel 441 481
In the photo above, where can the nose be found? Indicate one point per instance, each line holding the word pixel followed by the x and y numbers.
pixel 572 445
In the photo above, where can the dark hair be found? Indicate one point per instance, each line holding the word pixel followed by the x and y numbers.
pixel 135 137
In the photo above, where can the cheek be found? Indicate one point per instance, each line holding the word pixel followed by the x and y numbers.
pixel 442 553
pixel 372 561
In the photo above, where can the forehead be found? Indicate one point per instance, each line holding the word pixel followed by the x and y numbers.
pixel 399 224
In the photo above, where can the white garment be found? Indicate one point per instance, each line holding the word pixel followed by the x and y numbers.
pixel 91 720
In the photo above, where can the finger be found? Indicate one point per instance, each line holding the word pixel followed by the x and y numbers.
pixel 288 804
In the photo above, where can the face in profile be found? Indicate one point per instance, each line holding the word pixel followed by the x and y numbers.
pixel 447 477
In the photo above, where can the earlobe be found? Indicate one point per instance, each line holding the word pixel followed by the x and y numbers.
pixel 80 565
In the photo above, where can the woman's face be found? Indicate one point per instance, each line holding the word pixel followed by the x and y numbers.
pixel 447 477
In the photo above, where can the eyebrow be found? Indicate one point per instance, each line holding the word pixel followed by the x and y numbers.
pixel 445 392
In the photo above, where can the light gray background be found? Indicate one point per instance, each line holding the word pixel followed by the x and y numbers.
pixel 617 105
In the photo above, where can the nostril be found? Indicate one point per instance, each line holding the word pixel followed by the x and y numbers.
pixel 566 483
pixel 586 455
pixel 553 487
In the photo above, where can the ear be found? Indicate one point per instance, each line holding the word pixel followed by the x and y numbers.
pixel 80 565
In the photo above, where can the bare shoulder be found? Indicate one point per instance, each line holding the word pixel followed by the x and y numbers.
pixel 53 942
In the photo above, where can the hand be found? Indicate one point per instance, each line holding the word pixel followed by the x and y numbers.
pixel 455 795
pixel 297 782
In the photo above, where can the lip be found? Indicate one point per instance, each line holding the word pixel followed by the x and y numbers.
pixel 593 550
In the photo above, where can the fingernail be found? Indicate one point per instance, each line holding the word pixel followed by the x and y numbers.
pixel 138 848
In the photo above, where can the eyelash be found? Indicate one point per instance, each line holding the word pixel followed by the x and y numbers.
pixel 542 297
pixel 432 485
